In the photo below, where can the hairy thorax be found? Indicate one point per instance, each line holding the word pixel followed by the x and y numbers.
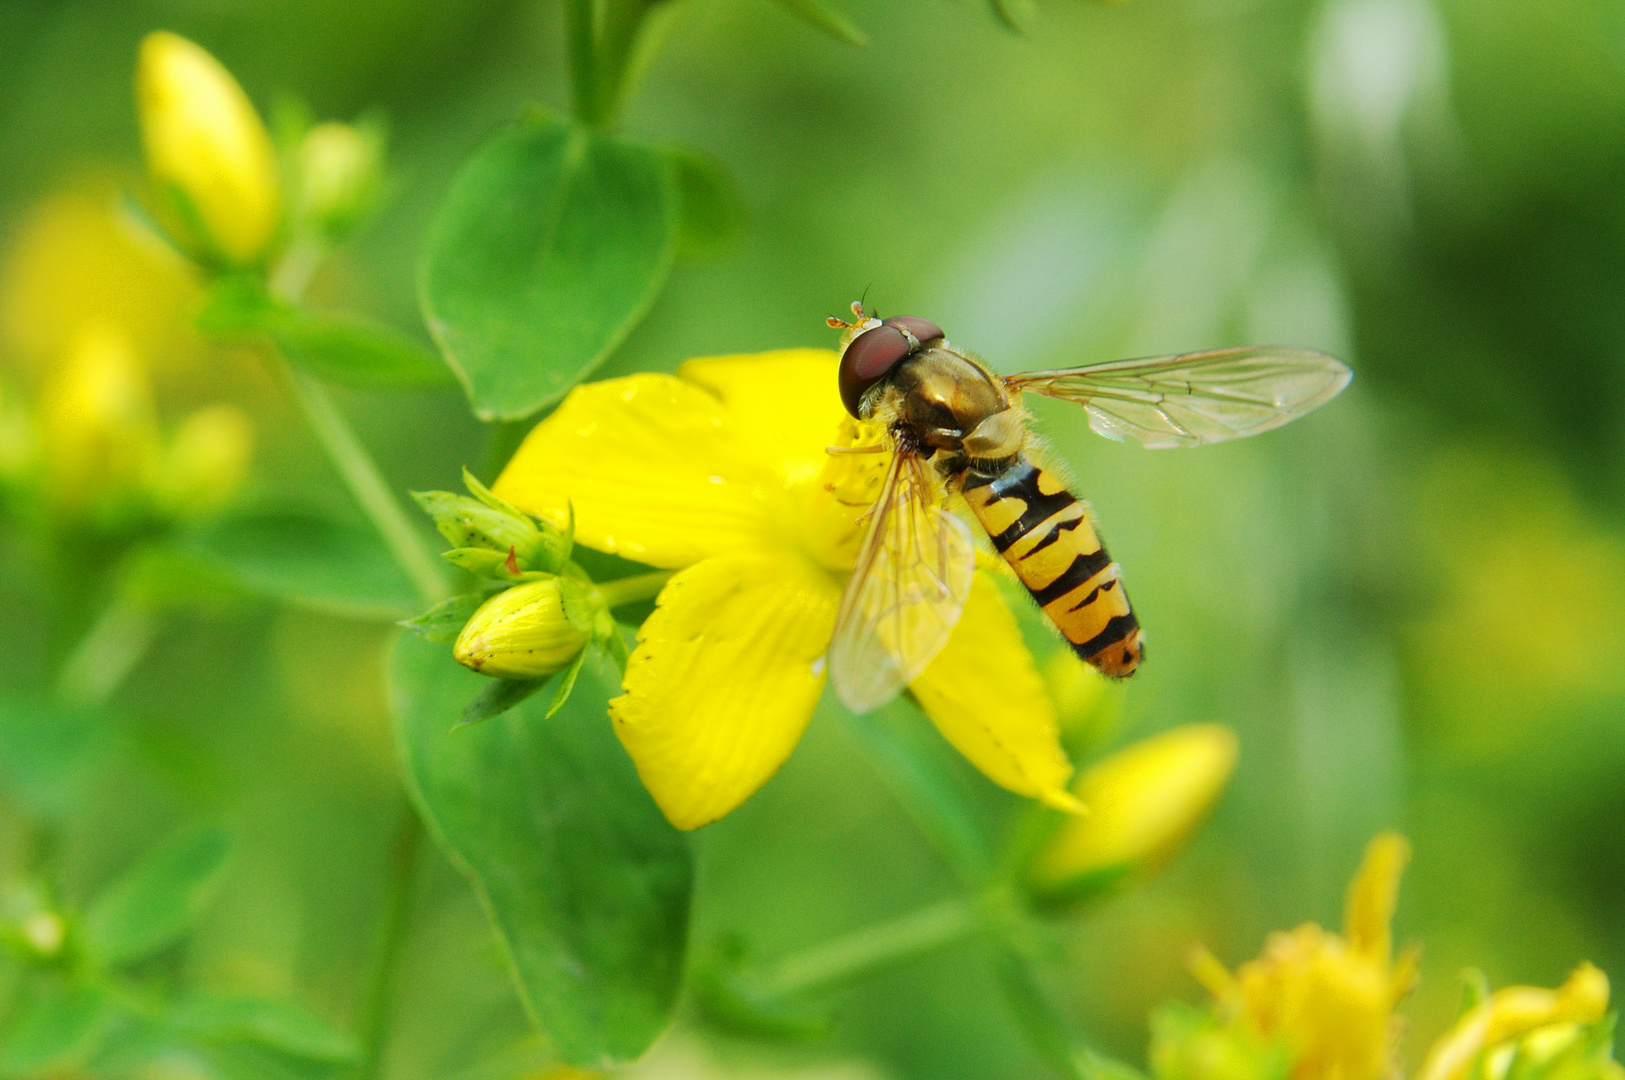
pixel 952 409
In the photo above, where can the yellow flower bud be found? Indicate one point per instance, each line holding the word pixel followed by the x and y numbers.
pixel 98 425
pixel 206 461
pixel 1143 801
pixel 339 175
pixel 207 152
pixel 529 631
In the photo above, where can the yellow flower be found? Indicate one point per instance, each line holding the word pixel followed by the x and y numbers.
pixel 1329 998
pixel 76 261
pixel 1143 802
pixel 721 473
pixel 1538 1024
pixel 98 425
pixel 207 151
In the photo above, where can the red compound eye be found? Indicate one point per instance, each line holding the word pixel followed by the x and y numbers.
pixel 876 351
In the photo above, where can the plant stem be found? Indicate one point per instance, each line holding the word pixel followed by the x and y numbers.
pixel 107 654
pixel 581 34
pixel 629 590
pixel 360 474
pixel 391 935
pixel 873 948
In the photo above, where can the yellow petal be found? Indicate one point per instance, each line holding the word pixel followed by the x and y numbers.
pixel 1143 801
pixel 724 679
pixel 986 697
pixel 1511 1013
pixel 205 141
pixel 654 471
pixel 784 405
pixel 1373 893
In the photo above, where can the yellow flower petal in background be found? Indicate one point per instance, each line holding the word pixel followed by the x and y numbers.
pixel 783 404
pixel 77 262
pixel 1143 801
pixel 205 462
pixel 1513 1013
pixel 98 425
pixel 654 471
pixel 724 680
pixel 207 151
pixel 986 697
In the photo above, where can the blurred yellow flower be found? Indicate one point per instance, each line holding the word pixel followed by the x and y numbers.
pixel 1143 802
pixel 205 461
pixel 1329 998
pixel 77 261
pixel 721 473
pixel 98 425
pixel 209 156
pixel 1525 1021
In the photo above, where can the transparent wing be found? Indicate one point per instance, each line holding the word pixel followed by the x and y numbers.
pixel 1195 398
pixel 906 593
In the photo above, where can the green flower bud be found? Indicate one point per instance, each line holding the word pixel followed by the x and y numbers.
pixel 488 523
pixel 205 462
pixel 531 630
pixel 340 174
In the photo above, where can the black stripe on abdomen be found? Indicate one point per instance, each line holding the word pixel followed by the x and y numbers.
pixel 1021 481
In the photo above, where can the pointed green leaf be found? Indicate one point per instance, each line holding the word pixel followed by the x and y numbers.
pixel 498 697
pixel 711 214
pixel 822 16
pixel 1018 15
pixel 563 683
pixel 586 883
pixel 354 351
pixel 551 245
pixel 285 1026
pixel 310 559
pixel 443 622
pixel 337 347
pixel 158 899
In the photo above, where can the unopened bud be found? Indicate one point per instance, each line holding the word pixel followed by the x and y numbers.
pixel 45 932
pixel 1143 802
pixel 529 631
pixel 208 153
pixel 206 461
pixel 340 173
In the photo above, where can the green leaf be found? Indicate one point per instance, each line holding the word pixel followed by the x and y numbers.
pixel 586 883
pixel 158 899
pixel 311 560
pixel 498 697
pixel 822 16
pixel 336 347
pixel 711 213
pixel 57 1030
pixel 565 682
pixel 285 1026
pixel 551 245
pixel 354 351
pixel 1018 15
pixel 49 753
pixel 443 622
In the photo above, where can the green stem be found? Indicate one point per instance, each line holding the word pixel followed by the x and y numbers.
pixel 106 655
pixel 629 590
pixel 375 1011
pixel 581 34
pixel 367 485
pixel 873 948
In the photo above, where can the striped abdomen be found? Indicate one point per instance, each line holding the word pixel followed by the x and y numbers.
pixel 1046 537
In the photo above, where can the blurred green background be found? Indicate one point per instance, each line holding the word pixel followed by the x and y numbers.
pixel 1410 606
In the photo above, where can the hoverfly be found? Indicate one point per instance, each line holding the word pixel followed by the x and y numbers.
pixel 954 427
